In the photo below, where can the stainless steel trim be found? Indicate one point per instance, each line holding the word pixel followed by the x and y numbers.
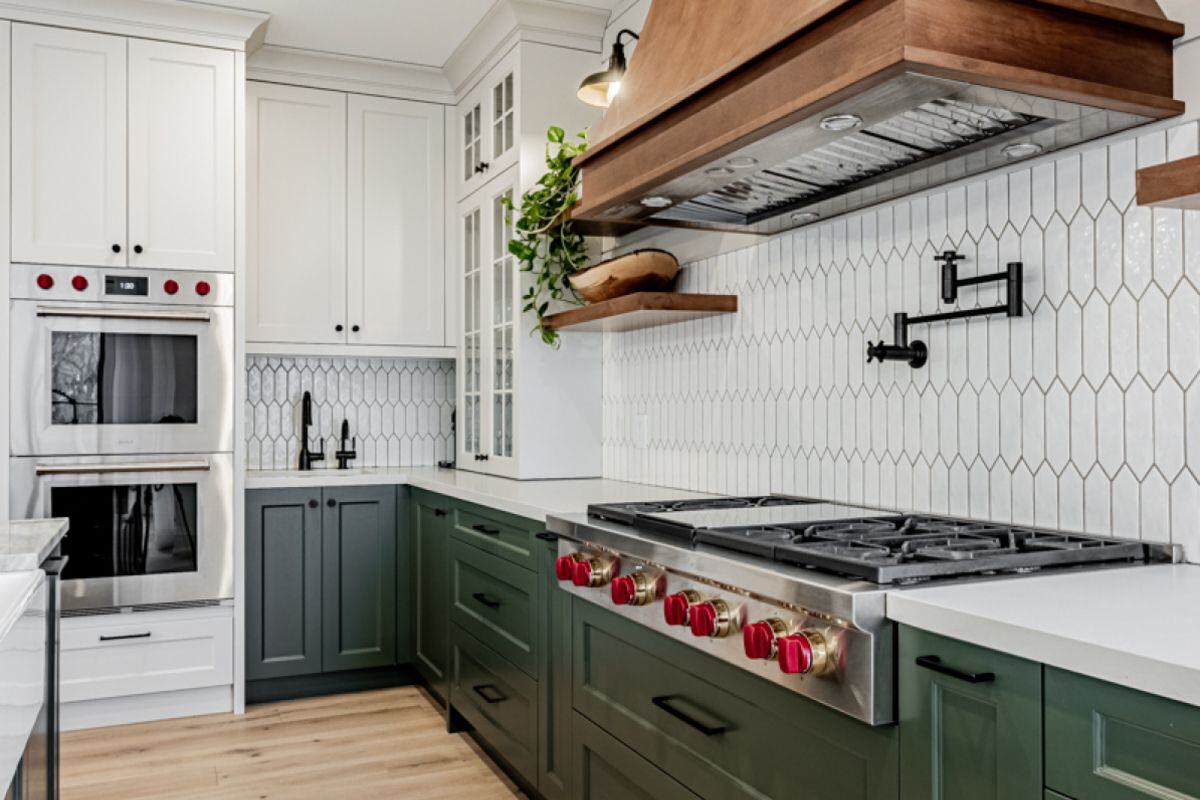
pixel 202 465
pixel 133 313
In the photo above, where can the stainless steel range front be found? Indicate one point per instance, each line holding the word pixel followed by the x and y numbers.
pixel 794 589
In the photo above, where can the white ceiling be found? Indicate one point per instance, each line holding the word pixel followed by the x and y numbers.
pixel 411 31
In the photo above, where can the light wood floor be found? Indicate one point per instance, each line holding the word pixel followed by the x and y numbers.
pixel 385 744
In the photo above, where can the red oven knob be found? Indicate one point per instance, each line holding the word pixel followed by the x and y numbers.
pixel 203 288
pixel 624 590
pixel 703 619
pixel 170 286
pixel 593 572
pixel 79 283
pixel 803 652
pixel 676 606
pixel 635 589
pixel 758 638
pixel 45 281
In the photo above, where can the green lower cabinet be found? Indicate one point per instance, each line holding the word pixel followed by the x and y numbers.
pixel 722 733
pixel 970 721
pixel 1106 742
pixel 555 750
pixel 495 601
pixel 607 770
pixel 430 526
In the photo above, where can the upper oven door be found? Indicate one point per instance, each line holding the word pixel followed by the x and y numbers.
pixel 113 379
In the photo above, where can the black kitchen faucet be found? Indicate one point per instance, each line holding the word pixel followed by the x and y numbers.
pixel 307 458
pixel 345 454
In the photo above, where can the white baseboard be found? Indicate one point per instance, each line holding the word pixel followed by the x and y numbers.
pixel 146 707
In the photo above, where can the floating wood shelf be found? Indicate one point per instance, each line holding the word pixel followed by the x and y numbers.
pixel 1175 184
pixel 642 310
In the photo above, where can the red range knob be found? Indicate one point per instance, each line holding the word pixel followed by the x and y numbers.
pixel 170 286
pixel 564 567
pixel 676 607
pixel 79 283
pixel 45 281
pixel 203 288
pixel 583 574
pixel 624 590
pixel 758 639
pixel 703 619
pixel 795 653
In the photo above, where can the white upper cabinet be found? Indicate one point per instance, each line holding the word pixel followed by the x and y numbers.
pixel 346 223
pixel 488 126
pixel 123 151
pixel 396 211
pixel 181 156
pixel 296 214
pixel 68 147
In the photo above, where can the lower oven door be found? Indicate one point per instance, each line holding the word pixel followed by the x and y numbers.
pixel 143 530
pixel 119 379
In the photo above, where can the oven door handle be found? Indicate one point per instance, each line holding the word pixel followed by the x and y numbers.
pixel 200 465
pixel 112 313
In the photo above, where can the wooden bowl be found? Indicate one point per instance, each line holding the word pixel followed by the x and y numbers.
pixel 639 271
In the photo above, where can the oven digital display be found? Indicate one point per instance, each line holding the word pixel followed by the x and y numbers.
pixel 122 285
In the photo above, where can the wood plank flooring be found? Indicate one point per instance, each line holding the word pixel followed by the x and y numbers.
pixel 383 744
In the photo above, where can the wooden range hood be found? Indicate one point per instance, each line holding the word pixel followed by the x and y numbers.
pixel 721 110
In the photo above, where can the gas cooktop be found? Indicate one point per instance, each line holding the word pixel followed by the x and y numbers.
pixel 878 546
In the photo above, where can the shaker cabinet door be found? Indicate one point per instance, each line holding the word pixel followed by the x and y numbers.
pixel 68 147
pixel 396 202
pixel 296 215
pixel 430 542
pixel 181 156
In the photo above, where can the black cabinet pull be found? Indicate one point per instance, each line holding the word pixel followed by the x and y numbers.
pixel 338 327
pixel 145 635
pixel 486 600
pixel 440 512
pixel 313 503
pixel 116 248
pixel 547 536
pixel 935 663
pixel 485 530
pixel 664 702
pixel 331 502
pixel 354 328
pixel 137 248
pixel 489 693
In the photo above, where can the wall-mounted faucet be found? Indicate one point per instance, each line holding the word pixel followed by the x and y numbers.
pixel 308 458
pixel 345 454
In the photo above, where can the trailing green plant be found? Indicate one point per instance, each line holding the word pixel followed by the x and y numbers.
pixel 545 246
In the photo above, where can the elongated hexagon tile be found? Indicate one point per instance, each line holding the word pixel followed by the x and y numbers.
pixel 1110 251
pixel 1097 502
pixel 1123 342
pixel 1094 179
pixel 1152 335
pixel 1155 501
pixel 1110 427
pixel 1070 500
pixel 1184 333
pixel 1139 428
pixel 1169 446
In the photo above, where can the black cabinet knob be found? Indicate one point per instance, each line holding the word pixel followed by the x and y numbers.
pixel 338 328
pixel 313 503
pixel 331 502
pixel 354 328
pixel 137 248
pixel 116 248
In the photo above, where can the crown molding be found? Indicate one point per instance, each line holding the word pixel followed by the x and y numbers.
pixel 349 74
pixel 509 22
pixel 166 20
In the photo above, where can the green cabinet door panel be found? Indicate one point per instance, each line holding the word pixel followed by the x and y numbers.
pixel 430 564
pixel 962 739
pixel 721 732
pixel 1107 742
pixel 554 681
pixel 283 583
pixel 359 577
pixel 494 600
pixel 499 700
pixel 505 535
pixel 404 594
pixel 608 770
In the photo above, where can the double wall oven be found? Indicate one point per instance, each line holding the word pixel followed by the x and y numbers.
pixel 123 386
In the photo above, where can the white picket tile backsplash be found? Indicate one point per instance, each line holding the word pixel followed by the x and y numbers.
pixel 400 409
pixel 1083 415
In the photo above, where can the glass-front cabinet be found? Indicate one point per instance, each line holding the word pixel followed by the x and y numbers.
pixel 487 127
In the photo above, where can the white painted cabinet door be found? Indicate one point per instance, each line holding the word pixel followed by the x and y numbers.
pixel 68 147
pixel 396 253
pixel 181 156
pixel 296 215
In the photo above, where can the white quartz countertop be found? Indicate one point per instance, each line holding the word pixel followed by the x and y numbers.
pixel 1132 626
pixel 531 499
pixel 22 663
pixel 24 544
pixel 17 589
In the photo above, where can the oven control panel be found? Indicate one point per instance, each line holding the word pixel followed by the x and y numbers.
pixel 115 285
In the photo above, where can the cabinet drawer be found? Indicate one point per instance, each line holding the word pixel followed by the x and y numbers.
pixel 1106 742
pixel 605 769
pixel 116 655
pixel 497 533
pixel 498 699
pixel 721 732
pixel 493 600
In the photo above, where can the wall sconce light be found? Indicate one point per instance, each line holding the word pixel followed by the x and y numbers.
pixel 599 88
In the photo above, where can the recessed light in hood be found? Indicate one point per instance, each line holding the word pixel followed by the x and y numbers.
pixel 1022 150
pixel 841 122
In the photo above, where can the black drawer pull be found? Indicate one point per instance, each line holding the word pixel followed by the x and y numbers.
pixel 547 536
pixel 145 635
pixel 440 512
pixel 934 663
pixel 485 530
pixel 486 599
pixel 495 696
pixel 664 702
